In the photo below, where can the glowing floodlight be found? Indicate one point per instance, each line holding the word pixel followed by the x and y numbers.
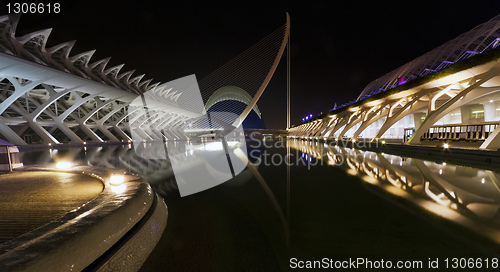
pixel 116 179
pixel 65 165
pixel 446 145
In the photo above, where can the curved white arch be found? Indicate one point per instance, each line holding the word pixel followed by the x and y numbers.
pixel 231 93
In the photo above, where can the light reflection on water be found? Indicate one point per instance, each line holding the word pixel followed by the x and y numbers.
pixel 470 192
pixel 114 157
pixel 468 196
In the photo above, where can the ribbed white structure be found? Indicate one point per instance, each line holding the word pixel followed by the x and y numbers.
pixel 481 38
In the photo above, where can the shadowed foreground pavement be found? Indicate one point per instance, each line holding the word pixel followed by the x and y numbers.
pixel 29 200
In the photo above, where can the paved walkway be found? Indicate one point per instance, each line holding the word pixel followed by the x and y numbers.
pixel 454 144
pixel 29 200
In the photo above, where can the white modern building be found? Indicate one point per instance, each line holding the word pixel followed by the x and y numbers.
pixel 53 95
pixel 451 93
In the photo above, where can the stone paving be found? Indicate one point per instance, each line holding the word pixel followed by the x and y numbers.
pixel 30 199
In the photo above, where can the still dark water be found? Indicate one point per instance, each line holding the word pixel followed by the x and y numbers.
pixel 332 202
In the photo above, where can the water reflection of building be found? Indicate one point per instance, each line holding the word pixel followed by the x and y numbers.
pixel 158 172
pixel 468 195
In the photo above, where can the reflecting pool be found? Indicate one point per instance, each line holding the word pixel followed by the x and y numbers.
pixel 305 201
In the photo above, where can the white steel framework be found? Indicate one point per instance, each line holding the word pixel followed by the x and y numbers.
pixel 460 105
pixel 48 96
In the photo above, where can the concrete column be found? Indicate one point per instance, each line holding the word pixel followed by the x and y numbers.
pixel 350 125
pixel 383 111
pixel 493 140
pixel 108 134
pixel 65 129
pixel 139 133
pixel 489 112
pixel 44 134
pixel 18 92
pixel 121 133
pixel 69 133
pixel 465 96
pixel 408 108
pixel 11 136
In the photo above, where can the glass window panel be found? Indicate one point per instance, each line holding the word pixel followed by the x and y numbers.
pixel 477 112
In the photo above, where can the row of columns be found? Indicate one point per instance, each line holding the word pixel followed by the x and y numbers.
pixel 69 103
pixel 451 95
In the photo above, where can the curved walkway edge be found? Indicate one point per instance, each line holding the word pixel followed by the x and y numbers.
pixel 120 226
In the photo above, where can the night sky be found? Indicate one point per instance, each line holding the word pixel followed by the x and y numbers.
pixel 338 47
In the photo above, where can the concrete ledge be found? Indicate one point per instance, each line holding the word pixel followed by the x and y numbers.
pixel 132 250
pixel 487 159
pixel 82 236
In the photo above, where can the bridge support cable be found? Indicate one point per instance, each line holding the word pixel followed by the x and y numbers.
pixel 288 81
pixel 251 71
